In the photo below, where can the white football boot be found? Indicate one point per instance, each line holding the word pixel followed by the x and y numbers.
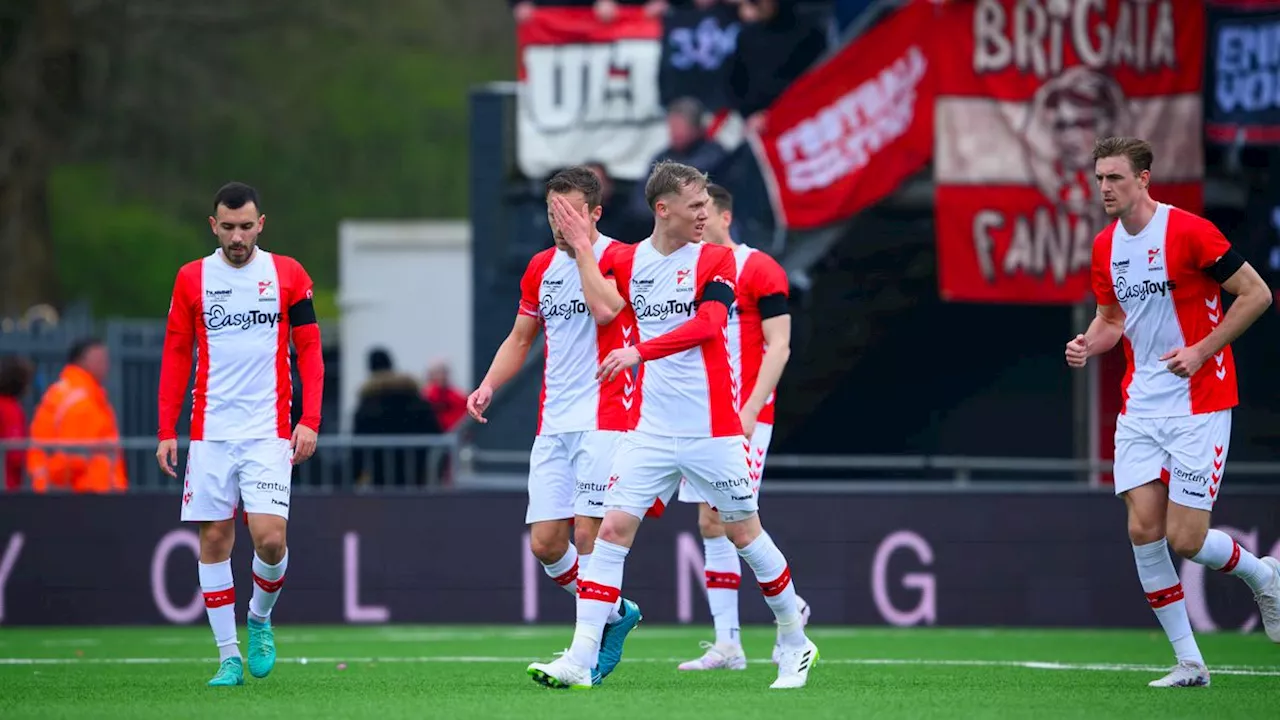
pixel 717 657
pixel 803 607
pixel 561 674
pixel 794 665
pixel 1269 602
pixel 1184 674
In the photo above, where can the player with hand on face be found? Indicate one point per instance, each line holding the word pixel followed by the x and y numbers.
pixel 238 309
pixel 680 290
pixel 580 421
pixel 1158 273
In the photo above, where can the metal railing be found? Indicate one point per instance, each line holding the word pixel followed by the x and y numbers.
pixel 433 463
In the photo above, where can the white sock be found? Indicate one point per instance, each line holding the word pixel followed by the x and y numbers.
pixel 267 582
pixel 1221 552
pixel 616 613
pixel 220 605
pixel 1164 593
pixel 771 571
pixel 566 570
pixel 724 575
pixel 598 592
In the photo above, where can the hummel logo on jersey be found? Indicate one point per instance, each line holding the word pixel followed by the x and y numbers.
pixel 217 296
pixel 552 309
pixel 1120 267
pixel 217 318
pixel 662 310
pixel 1142 289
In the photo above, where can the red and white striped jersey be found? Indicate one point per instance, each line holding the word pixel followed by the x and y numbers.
pixel 760 278
pixel 1159 278
pixel 572 399
pixel 692 393
pixel 240 319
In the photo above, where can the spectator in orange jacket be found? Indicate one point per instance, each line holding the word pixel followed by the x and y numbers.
pixel 76 410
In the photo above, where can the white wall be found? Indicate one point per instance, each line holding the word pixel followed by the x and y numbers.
pixel 405 286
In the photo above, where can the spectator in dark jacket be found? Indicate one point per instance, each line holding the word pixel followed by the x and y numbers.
pixel 391 404
pixel 776 46
pixel 690 145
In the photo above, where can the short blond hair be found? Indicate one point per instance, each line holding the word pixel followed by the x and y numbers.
pixel 669 178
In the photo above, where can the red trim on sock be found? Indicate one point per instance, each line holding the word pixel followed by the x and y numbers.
pixel 1167 596
pixel 270 586
pixel 1235 558
pixel 569 576
pixel 595 591
pixel 723 581
pixel 219 598
pixel 777 585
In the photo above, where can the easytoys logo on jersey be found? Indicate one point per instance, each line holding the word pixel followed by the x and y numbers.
pixel 552 309
pixel 217 318
pixel 660 311
pixel 1142 289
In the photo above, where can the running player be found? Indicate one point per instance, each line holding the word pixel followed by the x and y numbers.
pixel 579 420
pixel 238 308
pixel 759 344
pixel 688 424
pixel 1158 272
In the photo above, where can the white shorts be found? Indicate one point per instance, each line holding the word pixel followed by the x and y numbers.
pixel 647 470
pixel 1187 453
pixel 221 473
pixel 756 454
pixel 568 473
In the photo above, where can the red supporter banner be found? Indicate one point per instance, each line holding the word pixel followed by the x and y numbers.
pixel 1024 91
pixel 850 131
pixel 589 91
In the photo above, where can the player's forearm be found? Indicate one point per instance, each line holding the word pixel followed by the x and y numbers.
pixel 506 362
pixel 697 330
pixel 1245 310
pixel 175 371
pixel 306 338
pixel 1102 335
pixel 771 367
pixel 602 296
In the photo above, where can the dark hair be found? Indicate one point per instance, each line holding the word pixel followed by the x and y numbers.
pixel 379 360
pixel 236 195
pixel 15 376
pixel 721 197
pixel 80 347
pixel 1138 151
pixel 580 178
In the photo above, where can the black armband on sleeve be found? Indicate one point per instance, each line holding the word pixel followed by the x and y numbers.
pixel 718 292
pixel 302 313
pixel 1226 266
pixel 772 306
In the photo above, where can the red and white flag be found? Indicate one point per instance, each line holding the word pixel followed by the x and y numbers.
pixel 1024 91
pixel 851 130
pixel 589 92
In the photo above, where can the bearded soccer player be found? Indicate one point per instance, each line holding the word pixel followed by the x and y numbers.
pixel 238 308
pixel 759 331
pixel 579 420
pixel 680 290
pixel 1158 272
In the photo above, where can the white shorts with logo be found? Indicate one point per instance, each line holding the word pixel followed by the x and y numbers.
pixel 648 468
pixel 757 451
pixel 568 473
pixel 1187 453
pixel 221 473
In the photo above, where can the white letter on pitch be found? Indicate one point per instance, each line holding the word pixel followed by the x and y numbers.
pixel 927 609
pixel 352 610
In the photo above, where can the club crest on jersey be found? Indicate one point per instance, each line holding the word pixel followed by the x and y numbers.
pixel 681 276
pixel 1153 259
pixel 266 290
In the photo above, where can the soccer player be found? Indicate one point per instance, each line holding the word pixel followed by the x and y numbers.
pixel 1157 274
pixel 688 424
pixel 579 419
pixel 759 330
pixel 238 308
